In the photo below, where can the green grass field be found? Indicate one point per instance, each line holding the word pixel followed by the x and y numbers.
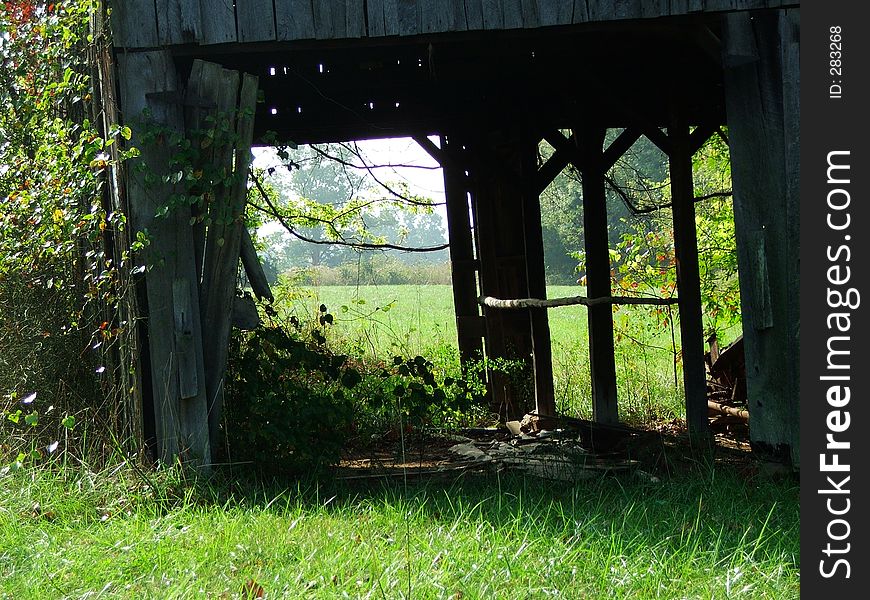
pixel 407 320
pixel 703 534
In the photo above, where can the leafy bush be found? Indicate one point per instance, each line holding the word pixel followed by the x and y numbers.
pixel 58 280
pixel 292 403
pixel 287 405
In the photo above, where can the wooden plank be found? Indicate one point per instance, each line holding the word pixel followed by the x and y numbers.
pixel 678 7
pixel 324 23
pixel 601 347
pixel 407 19
pixel 256 20
pixel 134 24
pixel 294 20
pixel 254 268
pixel 498 226
pixel 581 12
pixel 434 16
pixel 354 18
pixel 655 8
pixel 493 14
pixel 178 21
pixel 613 10
pixel 470 327
pixel 762 98
pixel 688 282
pixel 474 14
pixel 223 246
pixel 457 20
pixel 542 355
pixel 375 18
pixel 531 15
pixel 185 342
pixel 218 21
pixel 391 17
pixel 513 14
pixel 181 425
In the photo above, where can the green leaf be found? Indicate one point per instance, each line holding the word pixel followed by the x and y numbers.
pixel 126 133
pixel 32 419
pixel 69 421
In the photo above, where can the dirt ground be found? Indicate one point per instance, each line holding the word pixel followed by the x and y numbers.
pixel 659 450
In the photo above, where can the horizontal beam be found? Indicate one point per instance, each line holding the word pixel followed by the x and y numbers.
pixel 570 301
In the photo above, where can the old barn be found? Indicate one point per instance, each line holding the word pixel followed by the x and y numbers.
pixel 491 79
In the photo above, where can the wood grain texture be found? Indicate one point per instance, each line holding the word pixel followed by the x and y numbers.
pixel 581 11
pixel 354 18
pixel 493 14
pixel 474 14
pixel 513 14
pixel 256 20
pixel 178 21
pixel 134 24
pixel 391 17
pixel 407 18
pixel 218 21
pixel 148 81
pixel 761 99
pixel 375 16
pixel 294 19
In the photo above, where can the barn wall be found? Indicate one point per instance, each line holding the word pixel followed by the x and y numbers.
pixel 762 82
pixel 149 23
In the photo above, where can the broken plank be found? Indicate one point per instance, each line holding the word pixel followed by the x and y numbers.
pixel 253 268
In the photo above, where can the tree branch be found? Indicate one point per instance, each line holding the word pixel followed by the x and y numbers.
pixel 273 211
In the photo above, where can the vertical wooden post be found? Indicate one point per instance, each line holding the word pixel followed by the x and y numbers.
pixel 470 327
pixel 174 335
pixel 542 355
pixel 762 97
pixel 688 280
pixel 499 232
pixel 601 348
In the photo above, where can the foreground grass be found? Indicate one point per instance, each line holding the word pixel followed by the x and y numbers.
pixel 710 534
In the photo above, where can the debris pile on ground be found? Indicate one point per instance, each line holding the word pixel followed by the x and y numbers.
pixel 726 388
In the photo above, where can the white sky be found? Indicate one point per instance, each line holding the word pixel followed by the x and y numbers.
pixel 422 182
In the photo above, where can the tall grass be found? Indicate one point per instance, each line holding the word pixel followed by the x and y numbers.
pixel 74 534
pixel 382 321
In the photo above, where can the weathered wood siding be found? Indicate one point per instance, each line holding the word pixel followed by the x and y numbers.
pixel 150 23
pixel 762 84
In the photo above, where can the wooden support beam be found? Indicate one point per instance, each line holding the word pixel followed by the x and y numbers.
pixel 500 233
pixel 702 133
pixel 550 170
pixel 619 146
pixel 542 356
pixel 762 91
pixel 173 319
pixel 464 280
pixel 253 268
pixel 688 281
pixel 601 347
pixel 223 244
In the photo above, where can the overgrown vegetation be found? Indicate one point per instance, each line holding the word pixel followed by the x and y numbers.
pixel 58 279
